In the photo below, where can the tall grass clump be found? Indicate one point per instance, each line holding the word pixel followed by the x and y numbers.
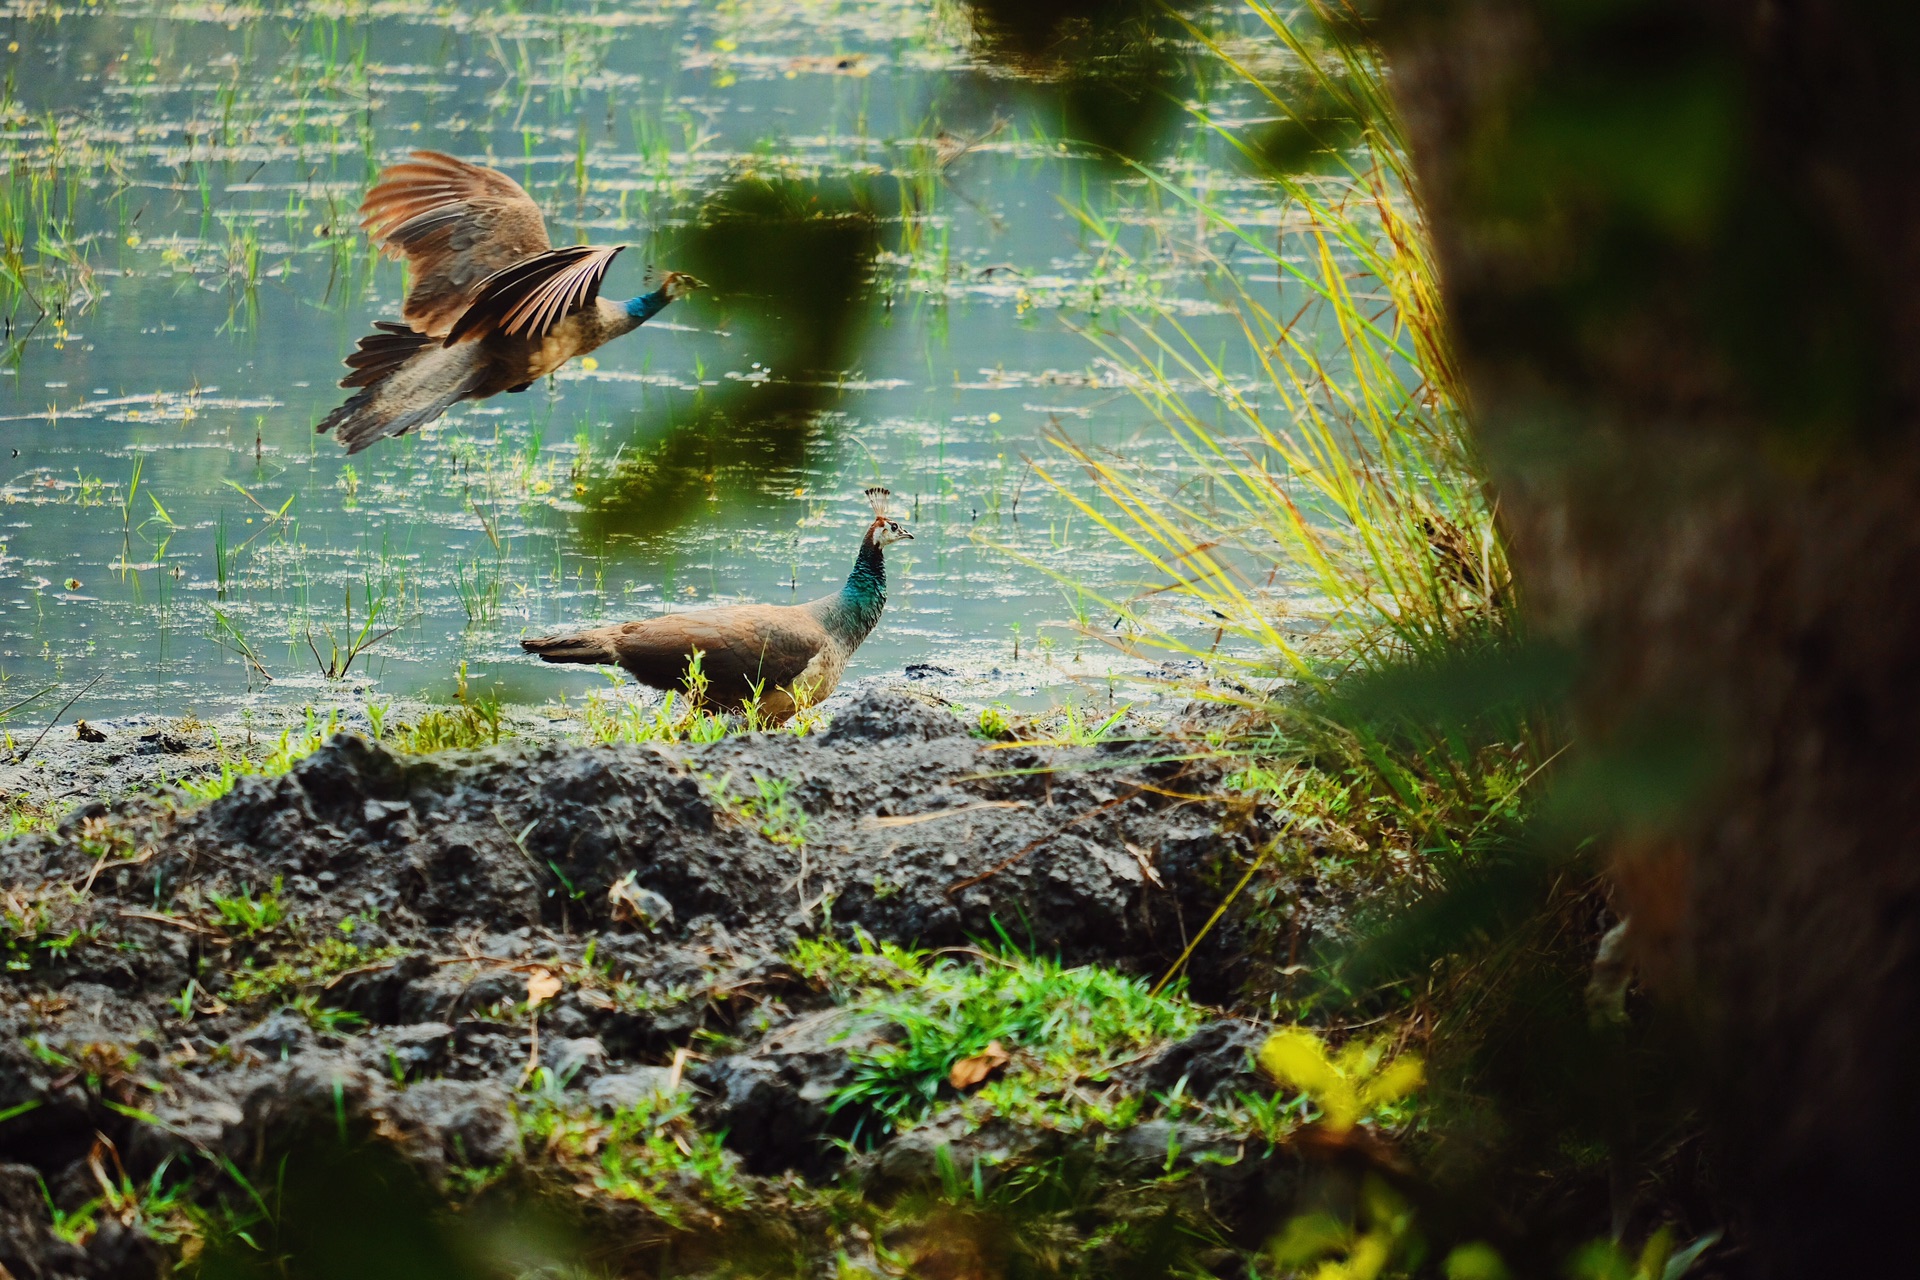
pixel 1340 516
pixel 1327 518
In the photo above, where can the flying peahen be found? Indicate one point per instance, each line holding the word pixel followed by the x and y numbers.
pixel 494 306
pixel 790 655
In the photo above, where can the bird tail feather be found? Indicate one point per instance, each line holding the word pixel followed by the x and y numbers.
pixel 379 355
pixel 583 647
pixel 407 380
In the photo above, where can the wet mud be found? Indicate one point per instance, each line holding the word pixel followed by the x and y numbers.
pixel 400 943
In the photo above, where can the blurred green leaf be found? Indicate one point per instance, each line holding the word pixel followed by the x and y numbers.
pixel 790 262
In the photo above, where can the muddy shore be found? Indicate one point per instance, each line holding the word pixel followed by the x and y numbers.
pixel 604 925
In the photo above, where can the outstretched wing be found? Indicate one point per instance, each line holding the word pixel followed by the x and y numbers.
pixel 528 298
pixel 456 224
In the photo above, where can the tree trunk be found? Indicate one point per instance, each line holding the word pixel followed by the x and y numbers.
pixel 1681 251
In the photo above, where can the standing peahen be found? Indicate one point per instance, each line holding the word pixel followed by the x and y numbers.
pixel 790 655
pixel 494 306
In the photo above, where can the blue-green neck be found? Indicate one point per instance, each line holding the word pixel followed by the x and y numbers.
pixel 865 595
pixel 648 305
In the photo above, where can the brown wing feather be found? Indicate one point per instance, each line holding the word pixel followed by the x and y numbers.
pixel 456 224
pixel 528 298
pixel 742 644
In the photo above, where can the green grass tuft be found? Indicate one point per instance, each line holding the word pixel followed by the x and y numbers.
pixel 291 748
pixel 1059 1025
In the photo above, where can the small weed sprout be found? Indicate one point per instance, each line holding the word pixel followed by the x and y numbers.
pixel 287 752
pixel 771 809
pixel 995 724
pixel 1358 1081
pixel 651 1154
pixel 312 966
pixel 248 914
pixel 479 590
pixel 324 1018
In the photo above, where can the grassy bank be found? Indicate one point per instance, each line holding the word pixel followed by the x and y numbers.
pixel 1329 556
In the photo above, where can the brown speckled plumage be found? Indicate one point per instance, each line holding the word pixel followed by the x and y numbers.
pixel 493 307
pixel 790 655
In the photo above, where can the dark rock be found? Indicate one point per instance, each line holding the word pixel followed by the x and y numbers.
pixel 196 1115
pixel 1168 1144
pixel 278 1037
pixel 457 1122
pixel 379 814
pixel 29 1250
pixel 99 1013
pixel 342 776
pixel 565 1019
pixel 879 716
pixel 773 1100
pixel 507 856
pixel 628 1033
pixel 485 991
pixel 317 1092
pixel 412 1052
pixel 573 1061
pixel 629 1089
pixel 385 996
pixel 916 1156
pixel 1215 1062
pixel 484 1050
pixel 117 1252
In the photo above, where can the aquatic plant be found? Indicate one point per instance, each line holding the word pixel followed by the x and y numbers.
pixel 339 658
pixel 1333 452
pixel 1328 516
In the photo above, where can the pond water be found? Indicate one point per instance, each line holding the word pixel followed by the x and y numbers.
pixel 183 180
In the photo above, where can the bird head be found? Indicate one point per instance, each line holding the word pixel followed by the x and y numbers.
pixel 678 284
pixel 885 530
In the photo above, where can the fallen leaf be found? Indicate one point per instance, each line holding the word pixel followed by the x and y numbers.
pixel 1145 860
pixel 541 987
pixel 968 1072
pixel 632 902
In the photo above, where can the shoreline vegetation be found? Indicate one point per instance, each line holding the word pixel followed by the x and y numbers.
pixel 911 987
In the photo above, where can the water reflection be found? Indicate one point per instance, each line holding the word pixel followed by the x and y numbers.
pixel 190 186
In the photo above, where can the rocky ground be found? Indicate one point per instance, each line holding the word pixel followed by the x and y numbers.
pixel 580 976
pixel 55 762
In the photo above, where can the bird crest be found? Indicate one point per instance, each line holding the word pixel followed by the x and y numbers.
pixel 885 530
